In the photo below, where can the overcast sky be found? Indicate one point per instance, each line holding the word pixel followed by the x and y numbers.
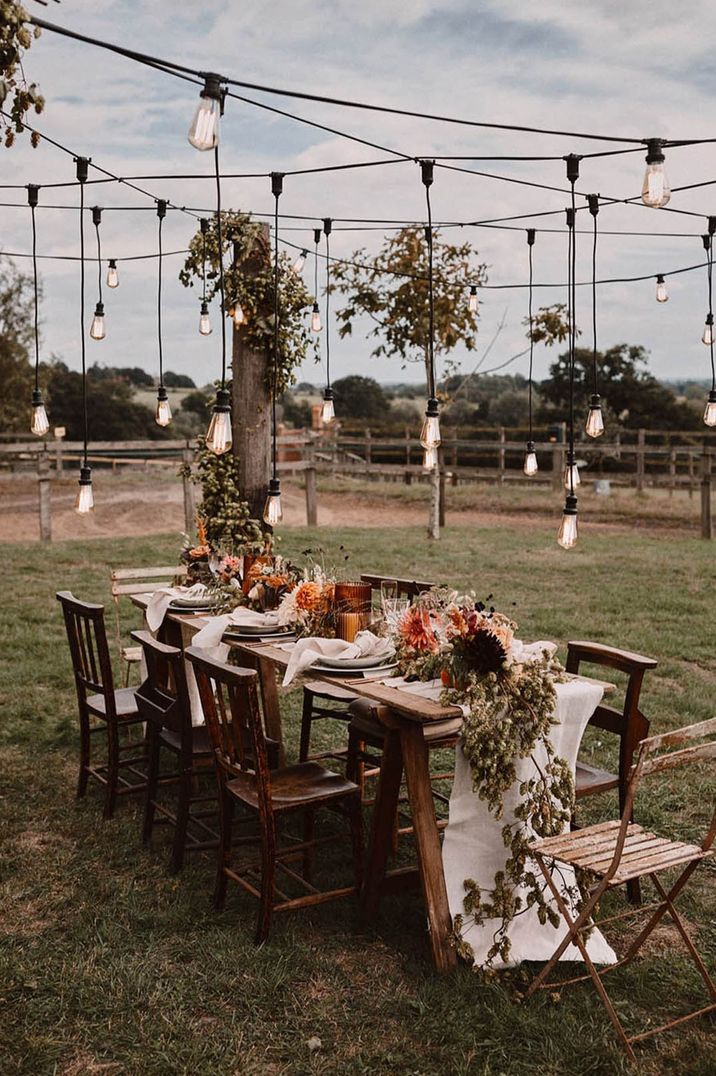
pixel 640 69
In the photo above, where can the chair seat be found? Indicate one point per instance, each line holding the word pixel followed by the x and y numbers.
pixel 592 849
pixel 367 727
pixel 124 701
pixel 132 654
pixel 294 786
pixel 590 781
pixel 328 691
pixel 200 740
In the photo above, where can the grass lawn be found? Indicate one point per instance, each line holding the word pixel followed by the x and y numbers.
pixel 109 965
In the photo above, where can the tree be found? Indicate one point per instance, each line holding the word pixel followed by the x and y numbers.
pixel 15 39
pixel 16 336
pixel 113 414
pixel 392 290
pixel 360 397
pixel 178 381
pixel 196 403
pixel 631 393
pixel 133 375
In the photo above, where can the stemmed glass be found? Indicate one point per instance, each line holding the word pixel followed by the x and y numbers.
pixel 393 611
pixel 388 592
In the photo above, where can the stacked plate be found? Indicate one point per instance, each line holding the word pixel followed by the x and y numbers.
pixel 348 666
pixel 192 605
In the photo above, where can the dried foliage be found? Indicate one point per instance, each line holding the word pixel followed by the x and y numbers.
pixel 17 95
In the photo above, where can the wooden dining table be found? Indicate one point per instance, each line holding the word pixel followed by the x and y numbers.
pixel 404 716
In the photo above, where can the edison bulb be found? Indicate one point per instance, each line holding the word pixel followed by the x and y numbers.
pixel 328 411
pixel 595 420
pixel 662 296
pixel 204 129
pixel 316 319
pixel 239 316
pixel 97 328
pixel 85 497
pixel 39 424
pixel 273 513
pixel 710 412
pixel 568 531
pixel 571 476
pixel 530 466
pixel 707 336
pixel 204 321
pixel 300 262
pixel 218 436
pixel 163 413
pixel 112 277
pixel 472 302
pixel 655 191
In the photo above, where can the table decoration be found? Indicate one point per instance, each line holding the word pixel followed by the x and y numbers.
pixel 352 607
pixel 310 651
pixel 506 690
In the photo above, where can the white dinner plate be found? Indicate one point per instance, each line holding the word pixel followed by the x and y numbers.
pixel 352 663
pixel 344 671
pixel 254 629
pixel 241 633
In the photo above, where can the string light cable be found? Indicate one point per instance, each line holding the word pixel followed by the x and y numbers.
pixel 328 411
pixel 708 337
pixel 273 513
pixel 98 329
pixel 219 436
pixel 39 423
pixel 163 412
pixel 530 465
pixel 204 319
pixel 85 496
pixel 594 426
pixel 568 531
pixel 430 432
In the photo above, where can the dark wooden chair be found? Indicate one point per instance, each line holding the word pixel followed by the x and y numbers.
pixel 321 701
pixel 130 581
pixel 629 724
pixel 163 703
pixel 229 697
pixel 620 851
pixel 97 699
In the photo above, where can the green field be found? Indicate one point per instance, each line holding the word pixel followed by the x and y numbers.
pixel 109 965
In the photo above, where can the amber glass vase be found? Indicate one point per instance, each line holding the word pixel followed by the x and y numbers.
pixel 352 607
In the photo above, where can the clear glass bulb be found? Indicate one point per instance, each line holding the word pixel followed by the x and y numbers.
pixel 708 334
pixel 239 316
pixel 662 296
pixel 85 497
pixel 430 459
pixel 204 321
pixel 571 477
pixel 163 413
pixel 328 411
pixel 112 277
pixel 710 412
pixel 40 423
pixel 568 531
pixel 595 422
pixel 655 191
pixel 430 433
pixel 530 466
pixel 300 262
pixel 316 319
pixel 218 437
pixel 97 328
pixel 472 303
pixel 204 130
pixel 273 513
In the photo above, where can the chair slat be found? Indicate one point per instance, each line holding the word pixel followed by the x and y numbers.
pixel 679 758
pixel 689 732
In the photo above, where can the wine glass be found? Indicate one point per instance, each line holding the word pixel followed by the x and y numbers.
pixel 388 593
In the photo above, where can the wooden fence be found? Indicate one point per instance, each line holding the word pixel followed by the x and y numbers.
pixel 385 458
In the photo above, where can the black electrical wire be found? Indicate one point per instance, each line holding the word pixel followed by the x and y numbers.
pixel 159 301
pixel 99 253
pixel 221 266
pixel 274 452
pixel 710 261
pixel 431 307
pixel 530 244
pixel 85 409
pixel 595 371
pixel 37 303
pixel 328 311
pixel 573 344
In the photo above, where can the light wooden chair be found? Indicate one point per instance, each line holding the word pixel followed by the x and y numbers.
pixel 128 581
pixel 619 851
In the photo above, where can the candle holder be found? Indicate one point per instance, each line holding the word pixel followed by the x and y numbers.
pixel 352 609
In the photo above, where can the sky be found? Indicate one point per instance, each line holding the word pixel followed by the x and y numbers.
pixel 637 70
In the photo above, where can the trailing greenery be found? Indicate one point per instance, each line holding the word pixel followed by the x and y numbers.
pixel 226 517
pixel 249 282
pixel 16 38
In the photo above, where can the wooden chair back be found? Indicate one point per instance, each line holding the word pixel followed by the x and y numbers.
pixel 87 638
pixel 407 588
pixel 128 581
pixel 230 701
pixel 629 723
pixel 163 696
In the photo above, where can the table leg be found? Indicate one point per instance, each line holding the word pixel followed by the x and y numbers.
pixel 386 805
pixel 427 841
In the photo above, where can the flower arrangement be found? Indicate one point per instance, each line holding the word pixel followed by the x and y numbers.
pixel 308 607
pixel 197 556
pixel 508 697
pixel 267 581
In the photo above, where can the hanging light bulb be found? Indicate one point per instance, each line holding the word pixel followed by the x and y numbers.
pixel 97 329
pixel 112 278
pixel 238 315
pixel 316 319
pixel 430 459
pixel 430 433
pixel 571 473
pixel 163 413
pixel 85 497
pixel 328 411
pixel 708 335
pixel 218 437
pixel 300 262
pixel 40 423
pixel 204 320
pixel 204 130
pixel 472 301
pixel 655 191
pixel 710 412
pixel 662 295
pixel 530 466
pixel 595 419
pixel 273 513
pixel 568 533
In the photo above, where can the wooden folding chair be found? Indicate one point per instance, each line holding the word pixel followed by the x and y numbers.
pixel 618 851
pixel 229 698
pixel 128 581
pixel 98 700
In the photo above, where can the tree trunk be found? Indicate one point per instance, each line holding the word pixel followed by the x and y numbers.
pixel 251 406
pixel 434 517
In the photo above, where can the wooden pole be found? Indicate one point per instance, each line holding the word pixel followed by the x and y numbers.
pixel 310 480
pixel 45 497
pixel 501 457
pixel 251 398
pixel 706 517
pixel 557 466
pixel 441 488
pixel 640 459
pixel 672 472
pixel 368 450
pixel 408 476
pixel 189 506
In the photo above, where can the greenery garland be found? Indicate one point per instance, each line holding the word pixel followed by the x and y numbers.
pixel 16 38
pixel 225 515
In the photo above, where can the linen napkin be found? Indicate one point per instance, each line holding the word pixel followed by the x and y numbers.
pixel 211 633
pixel 523 653
pixel 161 599
pixel 309 650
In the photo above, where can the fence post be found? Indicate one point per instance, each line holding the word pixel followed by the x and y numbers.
pixel 189 509
pixel 441 505
pixel 407 477
pixel 368 450
pixel 706 519
pixel 310 482
pixel 45 497
pixel 691 474
pixel 640 459
pixel 557 466
pixel 501 456
pixel 672 472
